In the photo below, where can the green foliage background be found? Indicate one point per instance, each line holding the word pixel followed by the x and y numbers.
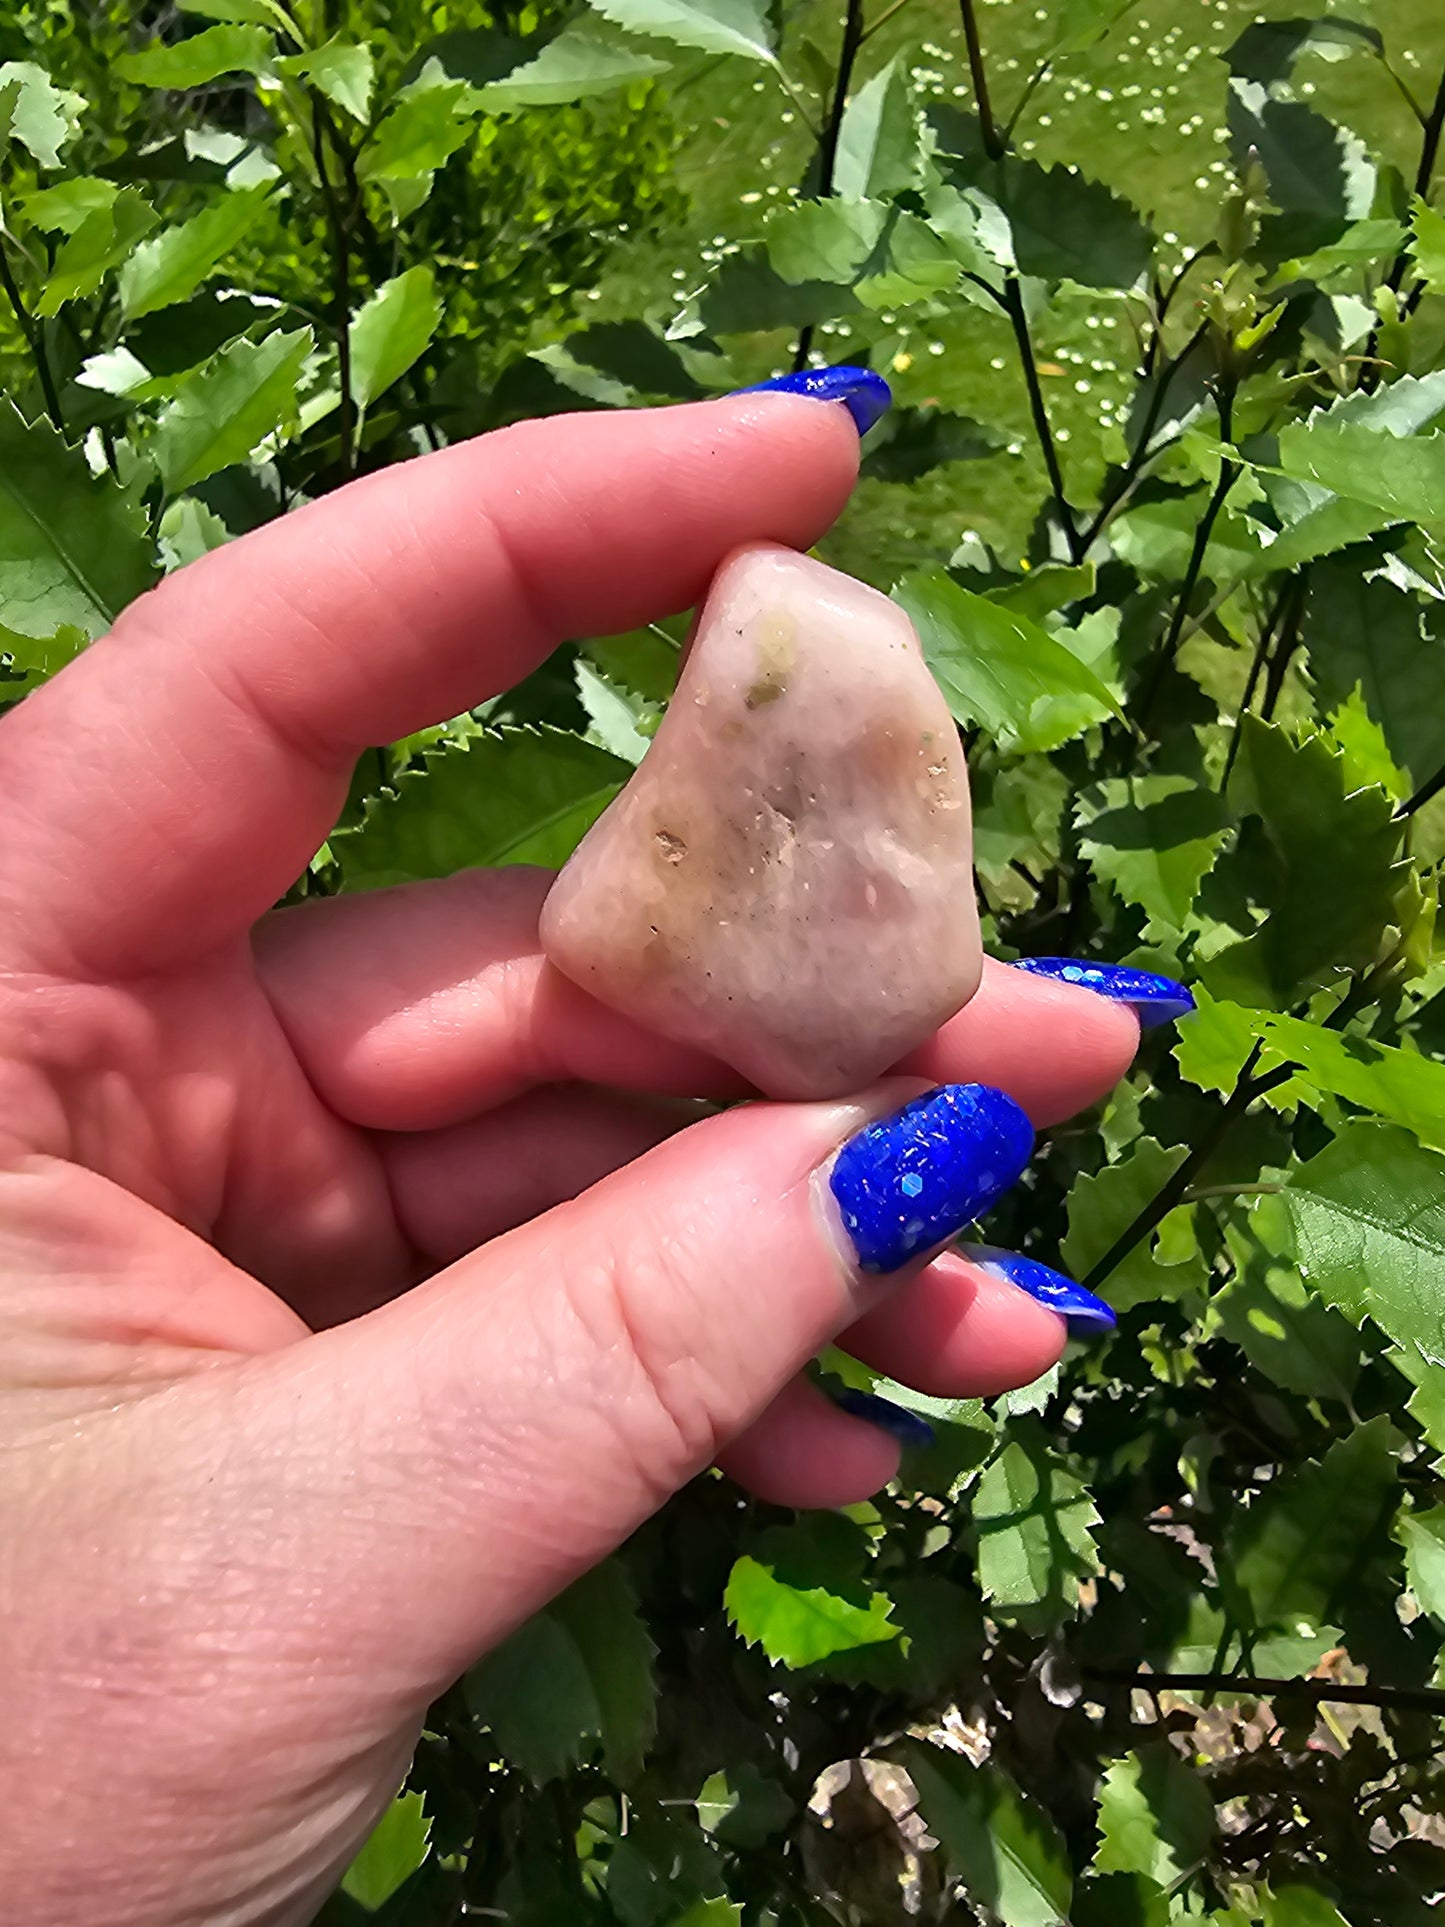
pixel 1162 291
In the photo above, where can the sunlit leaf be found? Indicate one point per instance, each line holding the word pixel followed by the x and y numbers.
pixel 43 117
pixel 801 1592
pixel 1035 1523
pixel 171 265
pixel 1427 227
pixel 1156 1818
pixel 1001 1846
pixel 344 70
pixel 878 152
pixel 578 63
pixel 396 1848
pixel 713 26
pixel 104 239
pixel 228 405
pixel 390 331
pixel 201 57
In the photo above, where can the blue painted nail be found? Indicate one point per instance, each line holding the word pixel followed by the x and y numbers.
pixel 910 1181
pixel 896 1420
pixel 1156 1000
pixel 1081 1310
pixel 866 396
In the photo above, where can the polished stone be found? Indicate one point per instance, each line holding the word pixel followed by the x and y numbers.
pixel 787 880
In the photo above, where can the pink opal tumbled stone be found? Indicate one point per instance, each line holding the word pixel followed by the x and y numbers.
pixel 787 880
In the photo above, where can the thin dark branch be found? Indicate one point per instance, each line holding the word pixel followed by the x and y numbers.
pixel 828 145
pixel 882 20
pixel 338 227
pixel 1415 1699
pixel 1130 472
pixel 1229 474
pixel 993 141
pixel 1426 793
pixel 1035 80
pixel 1013 302
pixel 34 340
pixel 1266 638
pixel 1171 1192
pixel 1424 174
pixel 1285 647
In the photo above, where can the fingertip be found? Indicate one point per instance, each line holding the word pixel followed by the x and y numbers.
pixel 805 1452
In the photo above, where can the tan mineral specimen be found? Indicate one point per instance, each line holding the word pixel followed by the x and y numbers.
pixel 787 880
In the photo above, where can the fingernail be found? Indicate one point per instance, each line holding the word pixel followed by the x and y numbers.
pixel 1084 1314
pixel 896 1420
pixel 910 1181
pixel 1156 1000
pixel 866 396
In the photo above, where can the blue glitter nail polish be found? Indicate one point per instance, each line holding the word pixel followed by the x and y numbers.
pixel 866 396
pixel 1156 1000
pixel 896 1420
pixel 912 1180
pixel 1084 1314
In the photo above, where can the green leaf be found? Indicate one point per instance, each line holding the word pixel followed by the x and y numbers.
pixel 1081 24
pixel 1369 1223
pixel 1104 1205
pixel 1035 1523
pixel 629 352
pixel 911 442
pixel 202 57
pixel 1153 839
pixel 1267 49
pixel 825 240
pixel 342 70
pixel 801 1593
pixel 710 1913
pixel 1000 670
pixel 1156 1818
pixel 423 130
pixel 713 26
pixel 506 796
pixel 1320 178
pixel 260 13
pixel 189 530
pixel 1306 1542
pixel 64 206
pixel 1397 1084
pixel 1005 1850
pixel 878 149
pixel 579 1672
pixel 229 404
pixel 396 1848
pixel 1066 227
pixel 743 1807
pixel 34 659
pixel 1319 857
pixel 580 62
pixel 1294 1906
pixel 749 294
pixel 73 550
pixel 1119 1900
pixel 1427 227
pixel 173 264
pixel 34 111
pixel 1283 1328
pixel 391 331
pixel 1402 477
pixel 102 241
pixel 1422 1534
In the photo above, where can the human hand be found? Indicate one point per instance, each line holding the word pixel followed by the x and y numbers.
pixel 284 1451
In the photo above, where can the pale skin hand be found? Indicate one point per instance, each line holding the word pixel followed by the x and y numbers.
pixel 281 1450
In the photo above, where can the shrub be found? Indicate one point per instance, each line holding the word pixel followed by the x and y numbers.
pixel 1163 293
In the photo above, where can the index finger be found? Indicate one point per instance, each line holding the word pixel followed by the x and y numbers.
pixel 171 784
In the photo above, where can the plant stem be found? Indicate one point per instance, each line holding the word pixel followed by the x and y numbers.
pixel 1424 174
pixel 338 228
pixel 1199 1193
pixel 1013 303
pixel 1266 638
pixel 1415 1699
pixel 1229 474
pixel 882 20
pixel 1285 647
pixel 34 340
pixel 1427 791
pixel 828 145
pixel 1171 1192
pixel 1131 470
pixel 993 141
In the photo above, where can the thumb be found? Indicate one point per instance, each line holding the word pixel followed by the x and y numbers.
pixel 465 1452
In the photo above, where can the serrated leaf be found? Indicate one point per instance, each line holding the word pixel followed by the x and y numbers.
pixel 748 294
pixel 1080 24
pixel 825 240
pixel 73 549
pixel 171 265
pixel 1320 178
pixel 911 442
pixel 424 128
pixel 1369 1223
pixel 1319 857
pixel 1003 1849
pixel 260 13
pixel 1402 477
pixel 506 796
pixel 343 70
pixel 578 1673
pixel 34 111
pixel 1156 1818
pixel 1153 839
pixel 629 352
pixel 101 242
pixel 189 530
pixel 396 1848
pixel 1427 247
pixel 1267 50
pixel 391 331
pixel 1283 1328
pixel 202 57
pixel 229 404
pixel 801 1592
pixel 63 207
pixel 1422 1534
pixel 1035 1523
pixel 579 63
pixel 1066 227
pixel 1000 670
pixel 1304 1544
pixel 713 26
pixel 1295 1906
pixel 1104 1205
pixel 1399 1085
pixel 878 150
pixel 743 1807
pixel 1119 1900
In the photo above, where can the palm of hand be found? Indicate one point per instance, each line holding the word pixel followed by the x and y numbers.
pixel 281 1459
